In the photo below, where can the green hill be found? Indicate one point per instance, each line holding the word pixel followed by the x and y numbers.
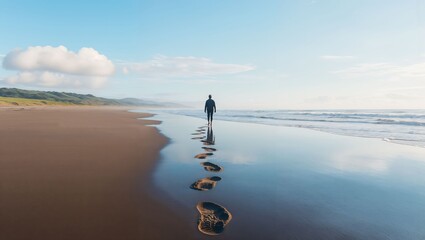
pixel 15 96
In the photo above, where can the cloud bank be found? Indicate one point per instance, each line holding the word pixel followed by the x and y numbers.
pixel 166 67
pixel 58 67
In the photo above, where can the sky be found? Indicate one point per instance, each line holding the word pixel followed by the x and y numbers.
pixel 272 54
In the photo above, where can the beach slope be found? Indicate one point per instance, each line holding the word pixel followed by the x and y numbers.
pixel 80 173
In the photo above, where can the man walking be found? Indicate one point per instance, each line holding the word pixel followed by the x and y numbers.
pixel 209 107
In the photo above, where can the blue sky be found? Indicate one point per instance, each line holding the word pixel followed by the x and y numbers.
pixel 247 54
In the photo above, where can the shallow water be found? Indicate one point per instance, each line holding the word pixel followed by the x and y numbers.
pixel 292 183
pixel 398 126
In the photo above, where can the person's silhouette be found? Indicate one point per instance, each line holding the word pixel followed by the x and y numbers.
pixel 209 108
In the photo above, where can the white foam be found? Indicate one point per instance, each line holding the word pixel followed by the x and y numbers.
pixel 399 126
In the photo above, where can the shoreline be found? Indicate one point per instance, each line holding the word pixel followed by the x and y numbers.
pixel 384 139
pixel 75 173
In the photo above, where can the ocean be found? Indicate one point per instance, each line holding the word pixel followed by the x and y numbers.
pixel 397 126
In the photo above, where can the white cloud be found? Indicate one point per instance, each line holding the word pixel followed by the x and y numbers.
pixel 388 70
pixel 57 66
pixel 336 57
pixel 169 67
pixel 87 61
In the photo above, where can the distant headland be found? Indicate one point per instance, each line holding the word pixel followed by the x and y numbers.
pixel 21 97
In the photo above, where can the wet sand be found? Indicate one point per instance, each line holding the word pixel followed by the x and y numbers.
pixel 81 173
pixel 291 183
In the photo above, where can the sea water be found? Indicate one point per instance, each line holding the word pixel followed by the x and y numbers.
pixel 399 126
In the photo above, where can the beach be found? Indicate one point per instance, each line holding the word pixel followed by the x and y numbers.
pixel 212 120
pixel 107 173
pixel 276 182
pixel 81 173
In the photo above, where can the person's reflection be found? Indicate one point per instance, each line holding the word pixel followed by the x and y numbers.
pixel 210 137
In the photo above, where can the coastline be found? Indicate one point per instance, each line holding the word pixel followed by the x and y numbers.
pixel 394 126
pixel 81 173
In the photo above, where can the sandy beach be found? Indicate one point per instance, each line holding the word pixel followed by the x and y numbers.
pixel 81 173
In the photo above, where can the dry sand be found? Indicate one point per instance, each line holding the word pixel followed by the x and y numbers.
pixel 80 173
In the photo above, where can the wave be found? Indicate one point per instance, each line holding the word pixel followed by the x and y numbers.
pixel 400 126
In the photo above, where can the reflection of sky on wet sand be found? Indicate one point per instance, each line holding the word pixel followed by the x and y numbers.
pixel 374 161
pixel 283 183
pixel 237 158
pixel 353 161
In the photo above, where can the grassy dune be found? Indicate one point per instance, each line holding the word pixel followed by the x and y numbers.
pixel 9 101
pixel 22 97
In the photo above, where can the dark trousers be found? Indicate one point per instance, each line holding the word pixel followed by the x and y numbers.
pixel 210 116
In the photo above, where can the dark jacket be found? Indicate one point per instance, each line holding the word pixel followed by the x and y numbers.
pixel 209 105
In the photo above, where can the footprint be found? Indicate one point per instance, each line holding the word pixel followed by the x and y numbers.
pixel 200 130
pixel 206 142
pixel 198 137
pixel 197 133
pixel 209 149
pixel 205 184
pixel 203 155
pixel 211 167
pixel 213 218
